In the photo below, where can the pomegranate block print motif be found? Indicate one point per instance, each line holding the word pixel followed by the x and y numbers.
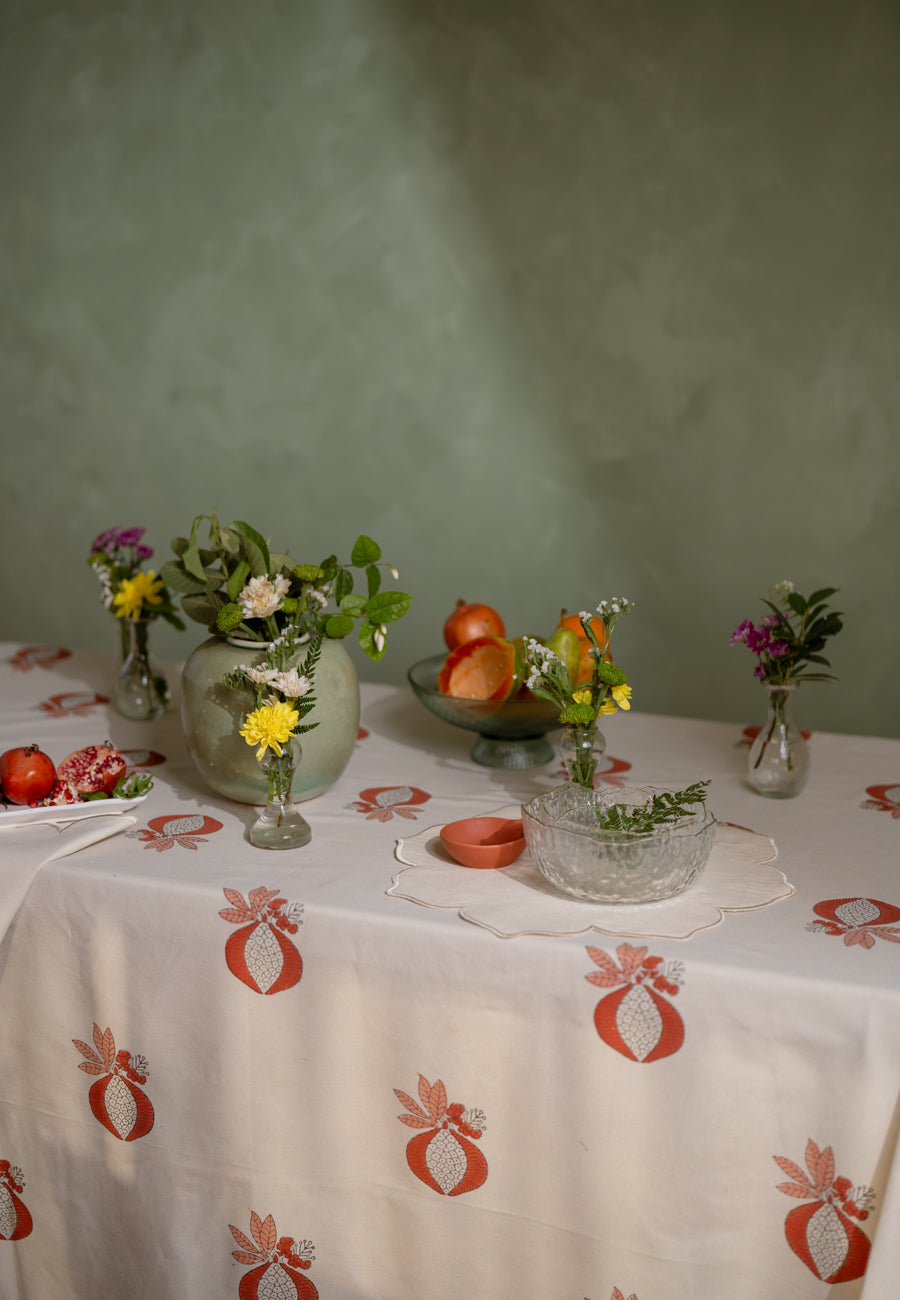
pixel 382 802
pixel 443 1155
pixel 637 1020
pixel 37 656
pixel 823 1233
pixel 260 953
pixel 15 1221
pixel 164 832
pixel 116 1100
pixel 859 920
pixel 276 1275
pixel 883 798
pixel 617 1295
pixel 75 704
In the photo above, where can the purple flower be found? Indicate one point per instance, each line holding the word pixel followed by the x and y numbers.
pixel 130 536
pixel 771 620
pixel 107 541
pixel 758 640
pixel 778 649
pixel 759 671
pixel 143 552
pixel 740 632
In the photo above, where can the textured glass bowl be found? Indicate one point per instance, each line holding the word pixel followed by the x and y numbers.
pixel 578 858
pixel 511 733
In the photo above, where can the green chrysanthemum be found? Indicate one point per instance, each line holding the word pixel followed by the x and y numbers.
pixel 229 617
pixel 577 715
pixel 308 572
pixel 611 674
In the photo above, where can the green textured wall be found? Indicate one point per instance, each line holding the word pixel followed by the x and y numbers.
pixel 556 300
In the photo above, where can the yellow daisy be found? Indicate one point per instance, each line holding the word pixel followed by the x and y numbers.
pixel 622 696
pixel 270 727
pixel 134 591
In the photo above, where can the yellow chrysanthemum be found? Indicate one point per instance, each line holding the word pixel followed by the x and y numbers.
pixel 270 727
pixel 607 707
pixel 582 696
pixel 622 696
pixel 134 591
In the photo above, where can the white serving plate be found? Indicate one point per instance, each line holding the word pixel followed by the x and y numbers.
pixel 69 812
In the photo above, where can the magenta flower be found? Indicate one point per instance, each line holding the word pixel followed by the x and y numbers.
pixel 740 632
pixel 758 640
pixel 778 649
pixel 130 536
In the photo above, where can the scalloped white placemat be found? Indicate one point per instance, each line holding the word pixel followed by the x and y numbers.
pixel 518 900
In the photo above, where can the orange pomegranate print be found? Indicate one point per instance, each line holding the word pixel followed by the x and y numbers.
pixel 277 1261
pixel 637 1020
pixel 823 1233
pixel 116 1099
pixel 443 1156
pixel 260 953
pixel 15 1221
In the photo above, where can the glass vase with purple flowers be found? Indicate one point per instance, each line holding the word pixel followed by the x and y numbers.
pixel 788 645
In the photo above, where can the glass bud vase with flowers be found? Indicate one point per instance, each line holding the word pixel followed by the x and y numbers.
pixel 582 745
pixel 787 641
pixel 284 695
pixel 136 597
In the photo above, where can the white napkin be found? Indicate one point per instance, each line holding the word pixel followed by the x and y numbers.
pixel 24 849
pixel 518 900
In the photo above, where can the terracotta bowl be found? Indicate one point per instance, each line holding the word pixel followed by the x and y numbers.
pixel 484 842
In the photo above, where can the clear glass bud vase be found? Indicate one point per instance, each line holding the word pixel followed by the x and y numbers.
pixel 779 756
pixel 279 825
pixel 581 748
pixel 142 692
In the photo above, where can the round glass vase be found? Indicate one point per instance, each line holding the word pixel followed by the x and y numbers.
pixel 581 748
pixel 280 825
pixel 778 765
pixel 142 692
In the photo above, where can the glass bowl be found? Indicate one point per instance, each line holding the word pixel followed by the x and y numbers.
pixel 511 733
pixel 578 858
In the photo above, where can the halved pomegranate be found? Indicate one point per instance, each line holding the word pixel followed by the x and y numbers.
pixel 486 668
pixel 93 770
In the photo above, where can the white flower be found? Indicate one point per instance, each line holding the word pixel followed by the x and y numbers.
pixel 291 684
pixel 585 616
pixel 262 597
pixel 379 637
pixel 318 596
pixel 261 676
pixel 394 573
pixel 615 607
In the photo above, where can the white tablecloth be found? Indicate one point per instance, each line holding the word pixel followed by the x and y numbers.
pixel 223 1064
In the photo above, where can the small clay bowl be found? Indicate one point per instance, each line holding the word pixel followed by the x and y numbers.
pixel 484 842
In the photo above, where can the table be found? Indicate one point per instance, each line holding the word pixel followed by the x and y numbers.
pixel 415 1107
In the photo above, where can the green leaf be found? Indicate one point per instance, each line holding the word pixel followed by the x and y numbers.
pixel 373 577
pixel 338 625
pixel 367 641
pixel 823 594
pixel 179 545
pixel 818 659
pixel 797 603
pixel 354 605
pixel 343 586
pixel 254 548
pixel 388 606
pixel 175 577
pixel 201 610
pixel 237 580
pixel 193 561
pixel 364 552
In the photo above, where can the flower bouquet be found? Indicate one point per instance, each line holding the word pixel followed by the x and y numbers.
pixel 788 645
pixel 136 598
pixel 549 678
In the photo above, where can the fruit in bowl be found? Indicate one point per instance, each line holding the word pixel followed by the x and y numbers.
pixel 486 668
pixel 470 621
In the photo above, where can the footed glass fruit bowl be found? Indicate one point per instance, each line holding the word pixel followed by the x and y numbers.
pixel 582 860
pixel 511 733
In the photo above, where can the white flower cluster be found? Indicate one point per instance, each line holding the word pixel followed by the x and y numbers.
pixel 379 636
pixel 262 597
pixel 103 576
pixel 609 609
pixel 540 659
pixel 291 684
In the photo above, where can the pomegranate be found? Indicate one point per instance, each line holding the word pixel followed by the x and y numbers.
pixel 26 774
pixel 93 770
pixel 470 621
pixel 61 792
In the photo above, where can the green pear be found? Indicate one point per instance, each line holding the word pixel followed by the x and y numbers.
pixel 564 644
